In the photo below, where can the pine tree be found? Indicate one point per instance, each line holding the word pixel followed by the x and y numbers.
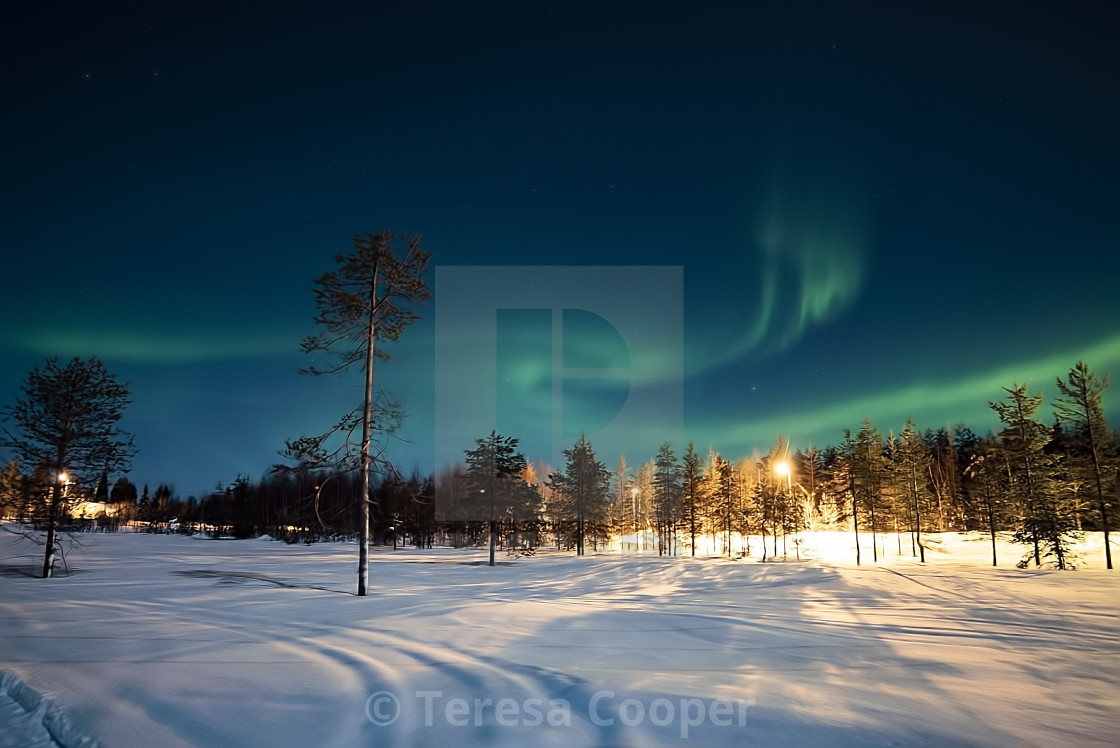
pixel 366 301
pixel 967 446
pixel 1081 411
pixel 765 497
pixel 583 489
pixel 868 465
pixel 494 469
pixel 724 480
pixel 809 464
pixel 746 518
pixel 666 496
pixel 623 511
pixel 787 516
pixel 944 475
pixel 67 420
pixel 692 493
pixel 1044 524
pixel 911 463
pixel 986 479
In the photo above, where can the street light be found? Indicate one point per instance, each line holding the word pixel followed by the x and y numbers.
pixel 782 468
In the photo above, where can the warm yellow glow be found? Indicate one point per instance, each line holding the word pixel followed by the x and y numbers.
pixel 63 478
pixel 782 468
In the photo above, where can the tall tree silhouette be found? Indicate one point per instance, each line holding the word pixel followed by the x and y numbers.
pixel 584 488
pixel 66 420
pixel 1081 409
pixel 365 301
pixel 494 466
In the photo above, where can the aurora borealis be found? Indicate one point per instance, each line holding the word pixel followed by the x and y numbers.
pixel 877 211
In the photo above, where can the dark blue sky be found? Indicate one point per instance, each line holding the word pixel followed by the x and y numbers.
pixel 878 210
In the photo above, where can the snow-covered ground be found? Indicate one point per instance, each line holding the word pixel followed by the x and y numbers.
pixel 171 641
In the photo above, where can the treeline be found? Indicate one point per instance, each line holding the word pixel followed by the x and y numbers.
pixel 306 507
pixel 1045 482
pixel 1042 481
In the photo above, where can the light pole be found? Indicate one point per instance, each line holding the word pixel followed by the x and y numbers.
pixel 62 482
pixel 782 468
pixel 490 524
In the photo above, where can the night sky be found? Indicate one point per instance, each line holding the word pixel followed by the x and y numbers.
pixel 877 210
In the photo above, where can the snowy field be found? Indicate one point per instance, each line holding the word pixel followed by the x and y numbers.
pixel 174 641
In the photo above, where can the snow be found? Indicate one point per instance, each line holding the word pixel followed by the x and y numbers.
pixel 176 641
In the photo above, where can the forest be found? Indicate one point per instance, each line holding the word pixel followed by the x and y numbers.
pixel 1043 481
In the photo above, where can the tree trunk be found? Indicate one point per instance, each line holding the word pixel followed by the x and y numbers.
pixel 367 435
pixel 1102 505
pixel 492 533
pixel 1104 524
pixel 855 523
pixel 991 517
pixel 52 524
pixel 917 516
pixel 692 521
pixel 874 536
